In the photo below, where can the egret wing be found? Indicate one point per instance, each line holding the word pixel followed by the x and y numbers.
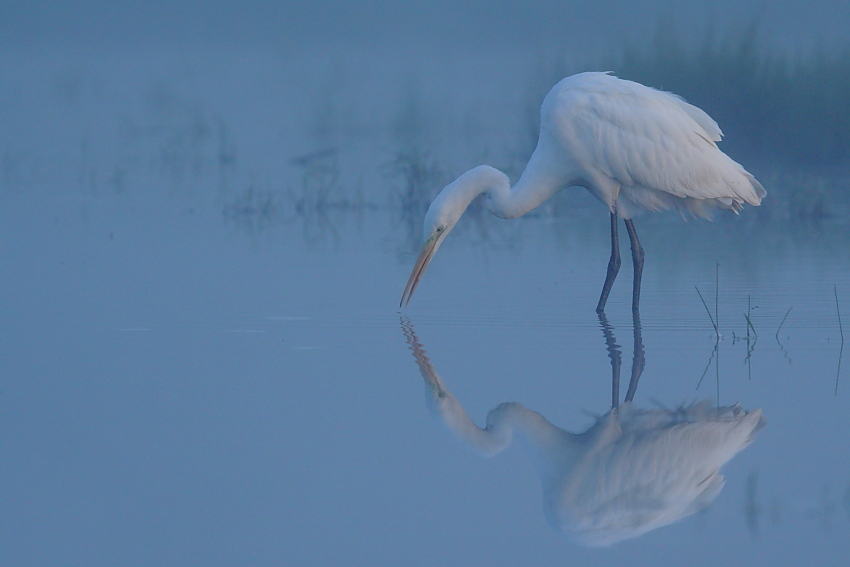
pixel 649 139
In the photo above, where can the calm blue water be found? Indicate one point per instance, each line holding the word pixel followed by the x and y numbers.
pixel 184 381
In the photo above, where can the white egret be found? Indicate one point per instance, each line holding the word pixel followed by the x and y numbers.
pixel 631 472
pixel 633 147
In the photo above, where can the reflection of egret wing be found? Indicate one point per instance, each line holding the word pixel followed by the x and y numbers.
pixel 663 466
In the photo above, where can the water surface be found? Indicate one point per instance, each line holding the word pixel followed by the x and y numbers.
pixel 202 360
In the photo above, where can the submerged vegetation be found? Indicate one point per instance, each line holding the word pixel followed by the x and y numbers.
pixel 773 107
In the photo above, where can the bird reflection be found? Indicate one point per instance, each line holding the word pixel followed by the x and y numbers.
pixel 634 470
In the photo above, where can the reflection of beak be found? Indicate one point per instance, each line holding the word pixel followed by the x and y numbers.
pixel 418 269
pixel 425 368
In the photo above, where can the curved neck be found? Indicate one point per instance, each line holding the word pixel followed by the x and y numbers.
pixel 538 182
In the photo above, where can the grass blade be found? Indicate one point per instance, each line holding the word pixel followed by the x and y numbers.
pixel 783 322
pixel 707 310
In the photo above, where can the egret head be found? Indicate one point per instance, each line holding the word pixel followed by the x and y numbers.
pixel 446 210
pixel 439 221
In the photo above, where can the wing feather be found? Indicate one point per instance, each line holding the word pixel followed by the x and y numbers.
pixel 648 141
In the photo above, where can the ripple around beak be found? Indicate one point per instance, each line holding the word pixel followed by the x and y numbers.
pixel 418 269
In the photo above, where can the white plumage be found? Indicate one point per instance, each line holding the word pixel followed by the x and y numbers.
pixel 633 147
pixel 637 147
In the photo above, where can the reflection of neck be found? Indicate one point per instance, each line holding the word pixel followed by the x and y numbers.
pixel 552 449
pixel 502 421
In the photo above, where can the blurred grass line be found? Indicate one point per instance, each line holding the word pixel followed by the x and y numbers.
pixel 773 107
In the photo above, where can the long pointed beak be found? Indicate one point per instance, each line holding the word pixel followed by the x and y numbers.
pixel 418 269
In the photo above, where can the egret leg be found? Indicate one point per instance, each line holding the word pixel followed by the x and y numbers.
pixel 613 265
pixel 637 261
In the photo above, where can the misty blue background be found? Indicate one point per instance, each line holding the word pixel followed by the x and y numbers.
pixel 581 25
pixel 207 215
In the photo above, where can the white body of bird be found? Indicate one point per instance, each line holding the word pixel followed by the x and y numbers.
pixel 633 147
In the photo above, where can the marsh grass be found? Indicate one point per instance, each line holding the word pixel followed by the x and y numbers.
pixel 841 330
pixel 774 107
pixel 414 177
pixel 786 118
pixel 252 210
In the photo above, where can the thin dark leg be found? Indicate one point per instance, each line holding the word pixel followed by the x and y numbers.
pixel 639 358
pixel 613 265
pixel 637 260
